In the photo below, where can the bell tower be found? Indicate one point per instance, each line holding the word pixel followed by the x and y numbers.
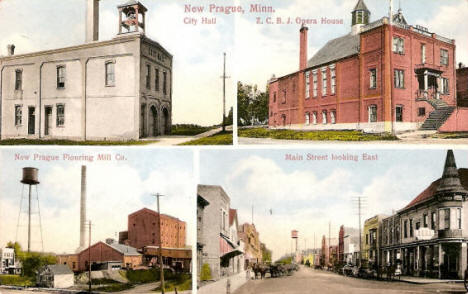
pixel 131 17
pixel 360 16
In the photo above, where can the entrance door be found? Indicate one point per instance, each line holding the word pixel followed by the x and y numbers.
pixel 143 121
pixel 48 120
pixel 31 120
pixel 154 122
pixel 399 113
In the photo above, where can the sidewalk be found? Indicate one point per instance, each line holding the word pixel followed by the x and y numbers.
pixel 219 287
pixel 417 280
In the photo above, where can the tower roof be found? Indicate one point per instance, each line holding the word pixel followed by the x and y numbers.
pixel 361 6
pixel 450 181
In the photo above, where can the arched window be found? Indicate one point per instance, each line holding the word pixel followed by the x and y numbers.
pixel 307 118
pixel 333 116
pixel 324 117
pixel 314 117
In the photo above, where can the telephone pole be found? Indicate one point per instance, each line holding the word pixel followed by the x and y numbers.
pixel 360 201
pixel 161 269
pixel 224 77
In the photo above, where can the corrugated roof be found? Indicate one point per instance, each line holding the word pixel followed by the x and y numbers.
pixel 336 49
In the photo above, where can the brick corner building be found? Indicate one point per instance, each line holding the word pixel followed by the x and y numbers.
pixel 383 76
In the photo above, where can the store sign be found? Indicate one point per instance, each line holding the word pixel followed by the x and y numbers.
pixel 424 234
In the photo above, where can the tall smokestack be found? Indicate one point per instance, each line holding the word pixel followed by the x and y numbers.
pixel 92 20
pixel 83 210
pixel 303 47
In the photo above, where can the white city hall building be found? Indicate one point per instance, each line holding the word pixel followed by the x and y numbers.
pixel 119 89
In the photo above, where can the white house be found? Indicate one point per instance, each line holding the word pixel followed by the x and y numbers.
pixel 55 276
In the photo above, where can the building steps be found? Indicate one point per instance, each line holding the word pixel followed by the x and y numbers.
pixel 437 118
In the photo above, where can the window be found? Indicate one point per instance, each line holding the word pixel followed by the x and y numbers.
pixel 307 118
pixel 447 218
pixel 164 83
pixel 445 86
pixel 459 218
pixel 314 117
pixel 433 220
pixel 324 82
pixel 411 232
pixel 61 76
pixel 423 53
pixel 60 115
pixel 405 229
pixel 18 79
pixel 425 220
pixel 399 113
pixel 399 78
pixel 418 225
pixel 333 116
pixel 444 57
pixel 333 79
pixel 398 45
pixel 372 112
pixel 421 111
pixel 274 96
pixel 156 80
pixel 307 85
pixel 373 78
pixel 110 74
pixel 367 239
pixel 324 116
pixel 284 96
pixel 315 83
pixel 18 115
pixel 148 76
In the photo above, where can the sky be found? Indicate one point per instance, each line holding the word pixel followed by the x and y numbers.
pixel 198 50
pixel 264 50
pixel 115 189
pixel 307 195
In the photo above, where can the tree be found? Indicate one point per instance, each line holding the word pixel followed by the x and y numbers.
pixel 230 118
pixel 205 273
pixel 252 105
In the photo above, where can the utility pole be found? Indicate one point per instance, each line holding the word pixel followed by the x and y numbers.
pixel 161 269
pixel 224 77
pixel 360 201
pixel 89 258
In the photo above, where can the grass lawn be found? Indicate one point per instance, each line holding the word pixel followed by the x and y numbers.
pixel 314 135
pixel 221 138
pixel 71 142
pixel 457 135
pixel 189 130
pixel 116 287
pixel 16 280
pixel 182 282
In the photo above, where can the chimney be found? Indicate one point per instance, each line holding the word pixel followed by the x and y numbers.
pixel 83 210
pixel 303 47
pixel 11 49
pixel 92 20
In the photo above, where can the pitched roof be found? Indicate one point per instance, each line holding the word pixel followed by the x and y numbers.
pixel 59 269
pixel 430 191
pixel 124 249
pixel 360 6
pixel 336 49
pixel 450 181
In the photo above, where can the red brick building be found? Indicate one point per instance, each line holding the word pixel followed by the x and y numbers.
pixel 143 230
pixel 462 85
pixel 382 76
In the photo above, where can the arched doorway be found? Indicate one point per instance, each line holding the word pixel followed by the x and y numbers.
pixel 166 121
pixel 153 127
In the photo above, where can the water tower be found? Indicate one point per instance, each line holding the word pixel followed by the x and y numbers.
pixel 30 178
pixel 295 236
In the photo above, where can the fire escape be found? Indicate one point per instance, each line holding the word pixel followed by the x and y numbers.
pixel 429 79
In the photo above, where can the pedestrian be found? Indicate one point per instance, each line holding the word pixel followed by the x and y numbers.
pixel 247 273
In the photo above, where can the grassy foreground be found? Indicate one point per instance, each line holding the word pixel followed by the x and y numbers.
pixel 457 135
pixel 221 138
pixel 182 282
pixel 189 129
pixel 16 280
pixel 314 135
pixel 71 142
